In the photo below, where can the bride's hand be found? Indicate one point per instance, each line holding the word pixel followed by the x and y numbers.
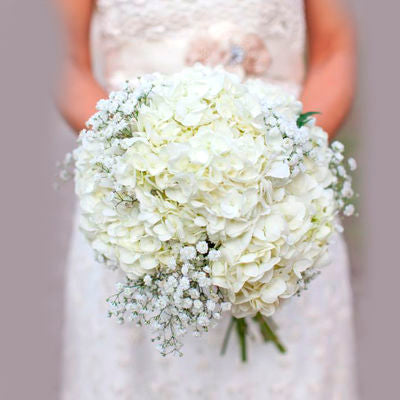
pixel 330 81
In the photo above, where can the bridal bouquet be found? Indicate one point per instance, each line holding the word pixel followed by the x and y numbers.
pixel 211 195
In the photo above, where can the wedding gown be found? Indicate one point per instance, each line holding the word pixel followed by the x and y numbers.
pixel 106 361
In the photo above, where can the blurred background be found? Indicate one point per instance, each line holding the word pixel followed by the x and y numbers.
pixel 36 221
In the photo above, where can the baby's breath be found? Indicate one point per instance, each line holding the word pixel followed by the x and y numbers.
pixel 172 302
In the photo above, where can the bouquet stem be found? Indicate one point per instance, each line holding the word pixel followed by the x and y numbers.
pixel 227 336
pixel 241 329
pixel 268 333
pixel 266 326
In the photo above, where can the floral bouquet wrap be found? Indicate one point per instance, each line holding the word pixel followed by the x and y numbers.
pixel 211 195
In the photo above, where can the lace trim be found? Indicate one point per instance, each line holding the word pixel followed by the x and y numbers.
pixel 122 20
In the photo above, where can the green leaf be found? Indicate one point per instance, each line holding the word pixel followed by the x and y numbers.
pixel 304 118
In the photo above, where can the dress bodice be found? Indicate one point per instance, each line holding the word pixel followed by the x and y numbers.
pixel 260 38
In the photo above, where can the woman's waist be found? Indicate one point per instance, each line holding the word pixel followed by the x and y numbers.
pixel 130 59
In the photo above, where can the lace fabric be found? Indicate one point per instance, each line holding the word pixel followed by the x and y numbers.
pixel 157 19
pixel 106 361
pixel 135 37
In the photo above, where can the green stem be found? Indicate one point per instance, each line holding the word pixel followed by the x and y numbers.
pixel 241 329
pixel 263 330
pixel 268 333
pixel 227 335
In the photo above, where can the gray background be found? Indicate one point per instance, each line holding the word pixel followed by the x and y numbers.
pixel 35 220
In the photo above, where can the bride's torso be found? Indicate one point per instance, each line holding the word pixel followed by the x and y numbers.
pixel 257 38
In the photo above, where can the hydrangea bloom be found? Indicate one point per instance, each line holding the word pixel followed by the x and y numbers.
pixel 201 163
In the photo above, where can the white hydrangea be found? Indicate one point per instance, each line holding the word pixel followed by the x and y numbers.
pixel 202 168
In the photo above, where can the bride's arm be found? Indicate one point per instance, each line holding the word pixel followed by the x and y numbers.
pixel 329 85
pixel 78 91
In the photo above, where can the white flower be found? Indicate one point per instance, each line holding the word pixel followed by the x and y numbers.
pixel 214 255
pixel 171 263
pixel 347 190
pixel 197 304
pixel 341 170
pixel 185 268
pixel 172 282
pixel 337 146
pixel 203 280
pixel 280 170
pixel 203 320
pixel 184 284
pixel 210 305
pixel 188 253
pixel 173 163
pixel 349 210
pixel 187 303
pixel 352 164
pixel 194 293
pixel 202 247
pixel 217 315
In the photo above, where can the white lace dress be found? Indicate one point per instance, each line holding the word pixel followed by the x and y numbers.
pixel 106 361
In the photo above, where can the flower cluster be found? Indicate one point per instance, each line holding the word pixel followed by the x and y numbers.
pixel 173 301
pixel 200 157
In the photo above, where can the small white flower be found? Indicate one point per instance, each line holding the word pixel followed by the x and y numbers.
pixel 198 305
pixel 338 157
pixel 214 255
pixel 147 280
pixel 184 283
pixel 188 253
pixel 185 268
pixel 128 107
pixel 172 263
pixel 194 293
pixel 187 303
pixel 337 146
pixel 203 320
pixel 102 105
pixel 202 247
pixel 352 164
pixel 210 305
pixel 172 281
pixel 347 190
pixel 349 210
pixel 341 170
pixel 217 315
pixel 203 280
